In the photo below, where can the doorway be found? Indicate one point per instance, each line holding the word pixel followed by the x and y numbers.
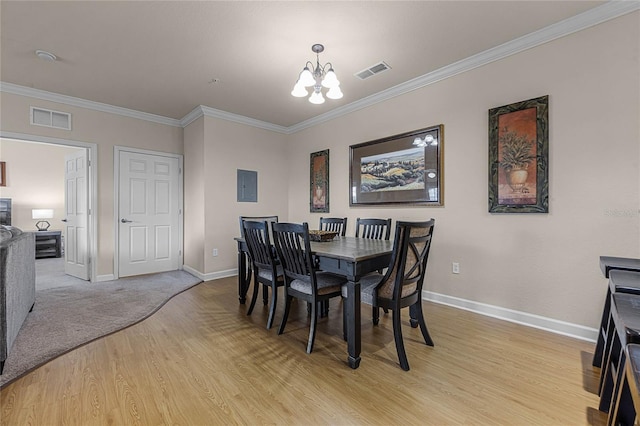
pixel 37 181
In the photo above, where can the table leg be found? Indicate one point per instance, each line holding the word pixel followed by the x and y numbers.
pixel 600 343
pixel 353 323
pixel 242 277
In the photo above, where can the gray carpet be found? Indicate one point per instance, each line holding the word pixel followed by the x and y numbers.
pixel 50 274
pixel 67 317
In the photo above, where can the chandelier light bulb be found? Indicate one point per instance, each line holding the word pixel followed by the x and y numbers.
pixel 316 98
pixel 429 139
pixel 299 91
pixel 306 78
pixel 334 93
pixel 330 80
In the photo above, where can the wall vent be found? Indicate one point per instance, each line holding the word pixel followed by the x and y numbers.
pixel 372 70
pixel 50 118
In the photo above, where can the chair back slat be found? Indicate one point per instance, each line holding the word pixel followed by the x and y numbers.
pixel 256 235
pixel 334 224
pixel 267 219
pixel 376 229
pixel 406 272
pixel 294 250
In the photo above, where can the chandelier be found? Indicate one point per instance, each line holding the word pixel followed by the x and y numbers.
pixel 318 77
pixel 428 140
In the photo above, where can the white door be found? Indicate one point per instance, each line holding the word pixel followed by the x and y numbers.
pixel 149 214
pixel 76 248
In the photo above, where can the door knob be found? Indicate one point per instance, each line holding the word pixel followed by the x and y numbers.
pixel 63 220
pixel 125 221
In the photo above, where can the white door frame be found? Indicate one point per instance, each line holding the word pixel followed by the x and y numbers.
pixel 116 201
pixel 92 187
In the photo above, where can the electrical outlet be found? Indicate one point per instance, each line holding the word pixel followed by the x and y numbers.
pixel 215 252
pixel 455 268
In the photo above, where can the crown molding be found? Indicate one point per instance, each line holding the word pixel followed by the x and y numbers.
pixel 83 103
pixel 206 111
pixel 592 17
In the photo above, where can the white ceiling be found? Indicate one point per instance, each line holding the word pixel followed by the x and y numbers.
pixel 160 56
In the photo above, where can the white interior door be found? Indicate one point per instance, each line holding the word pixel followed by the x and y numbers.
pixel 149 213
pixel 76 251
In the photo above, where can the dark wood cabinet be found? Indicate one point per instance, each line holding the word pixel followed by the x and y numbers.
pixel 5 211
pixel 48 244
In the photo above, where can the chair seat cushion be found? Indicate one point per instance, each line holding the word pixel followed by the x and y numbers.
pixel 268 275
pixel 368 285
pixel 327 283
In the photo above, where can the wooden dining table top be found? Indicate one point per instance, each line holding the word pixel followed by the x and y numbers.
pixel 351 248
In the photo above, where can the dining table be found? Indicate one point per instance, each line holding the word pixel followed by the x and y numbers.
pixel 349 257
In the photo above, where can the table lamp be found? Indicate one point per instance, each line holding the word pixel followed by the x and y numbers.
pixel 42 225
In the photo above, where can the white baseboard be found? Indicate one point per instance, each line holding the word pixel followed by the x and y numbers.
pixel 548 324
pixel 531 320
pixel 107 277
pixel 211 275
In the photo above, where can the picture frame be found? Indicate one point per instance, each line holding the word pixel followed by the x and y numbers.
pixel 519 157
pixel 3 173
pixel 319 182
pixel 407 168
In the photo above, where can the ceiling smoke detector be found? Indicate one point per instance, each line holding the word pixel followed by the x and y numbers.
pixel 46 56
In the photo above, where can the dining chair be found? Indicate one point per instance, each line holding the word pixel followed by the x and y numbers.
pixel 249 271
pixel 377 229
pixel 401 285
pixel 266 268
pixel 268 219
pixel 302 279
pixel 334 224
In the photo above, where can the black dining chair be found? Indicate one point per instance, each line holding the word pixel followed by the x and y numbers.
pixel 249 271
pixel 302 279
pixel 268 219
pixel 401 285
pixel 334 224
pixel 377 229
pixel 266 268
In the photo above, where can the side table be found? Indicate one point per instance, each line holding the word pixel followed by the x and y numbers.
pixel 48 244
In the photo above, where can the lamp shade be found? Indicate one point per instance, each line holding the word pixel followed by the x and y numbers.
pixel 42 214
pixel 306 78
pixel 330 80
pixel 334 93
pixel 316 98
pixel 299 91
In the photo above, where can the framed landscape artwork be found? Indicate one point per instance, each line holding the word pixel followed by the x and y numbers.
pixel 400 169
pixel 319 182
pixel 519 157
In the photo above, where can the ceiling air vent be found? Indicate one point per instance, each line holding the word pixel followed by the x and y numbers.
pixel 372 70
pixel 49 118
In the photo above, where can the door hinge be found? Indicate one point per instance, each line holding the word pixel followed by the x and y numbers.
pixel 179 170
pixel 179 211
pixel 179 252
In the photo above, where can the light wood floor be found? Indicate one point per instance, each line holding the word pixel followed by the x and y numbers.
pixel 201 361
